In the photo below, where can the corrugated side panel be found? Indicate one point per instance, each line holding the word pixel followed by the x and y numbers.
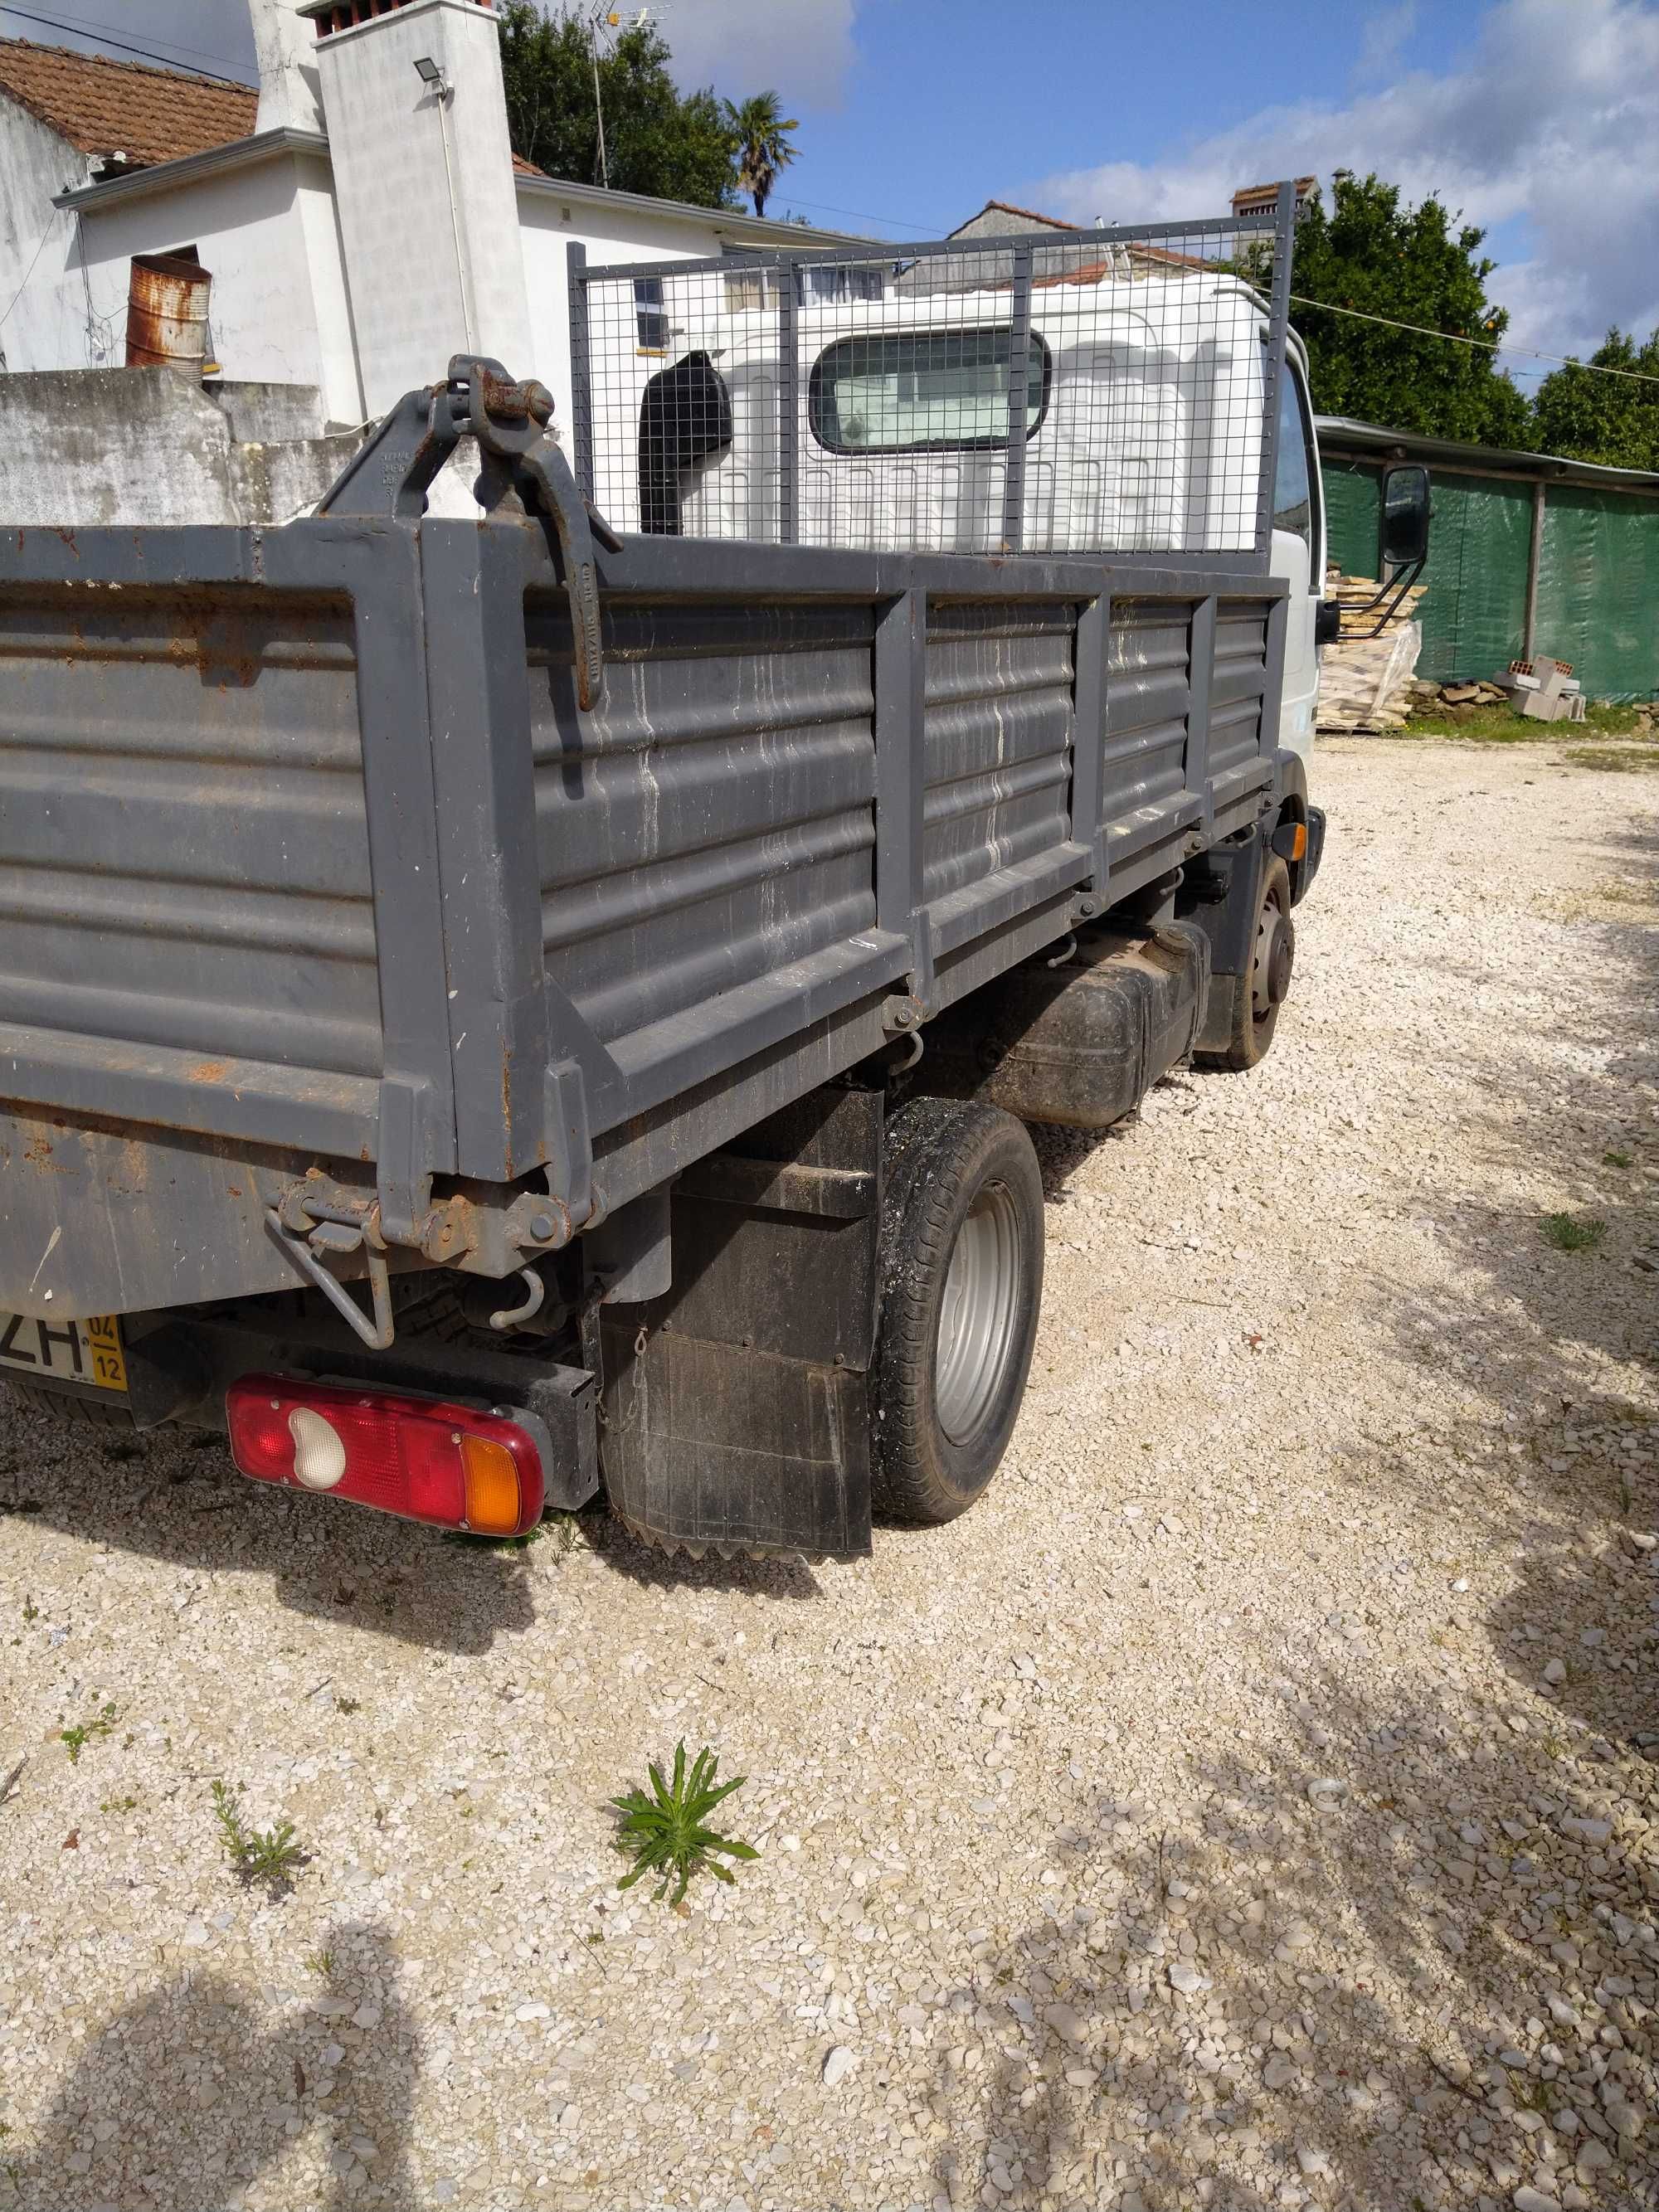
pixel 1149 694
pixel 714 820
pixel 998 736
pixel 1237 683
pixel 184 856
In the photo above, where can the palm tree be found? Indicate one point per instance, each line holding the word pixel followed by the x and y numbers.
pixel 760 134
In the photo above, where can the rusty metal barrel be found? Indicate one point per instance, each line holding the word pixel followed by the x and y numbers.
pixel 167 314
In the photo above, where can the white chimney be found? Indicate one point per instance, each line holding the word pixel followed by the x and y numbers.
pixel 423 185
pixel 290 95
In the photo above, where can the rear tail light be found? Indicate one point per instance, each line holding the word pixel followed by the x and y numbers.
pixel 423 1458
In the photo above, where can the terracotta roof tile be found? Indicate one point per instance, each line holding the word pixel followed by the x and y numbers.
pixel 124 107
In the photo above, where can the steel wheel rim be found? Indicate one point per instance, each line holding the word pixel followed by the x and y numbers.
pixel 978 1316
pixel 1268 924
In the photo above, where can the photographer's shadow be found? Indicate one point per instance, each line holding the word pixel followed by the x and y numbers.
pixel 185 2097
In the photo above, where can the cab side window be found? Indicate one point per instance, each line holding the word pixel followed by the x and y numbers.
pixel 1293 509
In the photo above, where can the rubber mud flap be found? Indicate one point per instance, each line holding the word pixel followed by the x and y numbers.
pixel 722 1446
pixel 736 1410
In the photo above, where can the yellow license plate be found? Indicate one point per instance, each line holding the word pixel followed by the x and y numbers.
pixel 65 1350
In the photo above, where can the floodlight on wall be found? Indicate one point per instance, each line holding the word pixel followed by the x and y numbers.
pixel 434 78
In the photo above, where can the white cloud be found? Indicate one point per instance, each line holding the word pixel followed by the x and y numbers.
pixel 804 48
pixel 1552 124
pixel 801 48
pixel 1384 35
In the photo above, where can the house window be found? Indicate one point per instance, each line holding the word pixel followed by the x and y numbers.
pixel 916 391
pixel 649 315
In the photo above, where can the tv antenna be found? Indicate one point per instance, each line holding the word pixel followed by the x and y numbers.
pixel 604 22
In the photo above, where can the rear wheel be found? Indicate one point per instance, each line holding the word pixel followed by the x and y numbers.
pixel 961 1282
pixel 1258 996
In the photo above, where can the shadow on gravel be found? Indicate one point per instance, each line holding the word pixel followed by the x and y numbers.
pixel 177 1498
pixel 183 2098
pixel 1555 1464
pixel 1415 1957
pixel 1370 1919
pixel 1062 1153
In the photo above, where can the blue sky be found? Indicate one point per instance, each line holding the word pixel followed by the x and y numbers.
pixel 1098 82
pixel 1540 118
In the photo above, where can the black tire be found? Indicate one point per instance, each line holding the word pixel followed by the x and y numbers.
pixel 943 1160
pixel 75 1412
pixel 1258 996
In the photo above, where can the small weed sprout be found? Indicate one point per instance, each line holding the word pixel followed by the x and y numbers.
pixel 321 1963
pixel 1571 1232
pixel 75 1740
pixel 666 1831
pixel 268 1855
pixel 31 1610
pixel 1615 1159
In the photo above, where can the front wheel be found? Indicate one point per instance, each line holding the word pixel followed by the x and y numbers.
pixel 1258 996
pixel 961 1282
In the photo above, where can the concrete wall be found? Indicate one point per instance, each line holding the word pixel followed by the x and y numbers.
pixel 425 186
pixel 46 322
pixel 79 446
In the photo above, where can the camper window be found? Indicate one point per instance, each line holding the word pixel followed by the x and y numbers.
pixel 914 391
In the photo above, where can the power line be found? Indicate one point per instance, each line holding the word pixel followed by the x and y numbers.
pixel 90 30
pixel 29 271
pixel 864 215
pixel 1486 345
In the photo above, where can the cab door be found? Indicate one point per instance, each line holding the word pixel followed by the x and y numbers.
pixel 1298 554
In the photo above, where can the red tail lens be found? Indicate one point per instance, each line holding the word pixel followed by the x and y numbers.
pixel 423 1458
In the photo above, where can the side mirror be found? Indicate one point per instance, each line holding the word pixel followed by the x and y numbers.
pixel 1328 622
pixel 1406 514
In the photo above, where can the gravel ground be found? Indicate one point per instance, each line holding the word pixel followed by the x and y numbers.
pixel 1252 1802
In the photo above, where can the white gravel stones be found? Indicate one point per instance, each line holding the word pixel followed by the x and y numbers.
pixel 1050 1906
pixel 1587 1831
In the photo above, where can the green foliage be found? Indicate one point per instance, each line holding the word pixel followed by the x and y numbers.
pixel 271 1856
pixel 1501 726
pixel 1379 256
pixel 759 133
pixel 665 1832
pixel 1612 419
pixel 1568 1232
pixel 1615 1159
pixel 658 140
pixel 75 1739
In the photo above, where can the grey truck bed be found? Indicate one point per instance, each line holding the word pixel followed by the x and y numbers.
pixel 313 870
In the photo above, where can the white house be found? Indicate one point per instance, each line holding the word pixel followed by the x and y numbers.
pixel 362 217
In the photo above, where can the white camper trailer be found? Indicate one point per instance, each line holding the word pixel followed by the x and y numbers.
pixel 1143 414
